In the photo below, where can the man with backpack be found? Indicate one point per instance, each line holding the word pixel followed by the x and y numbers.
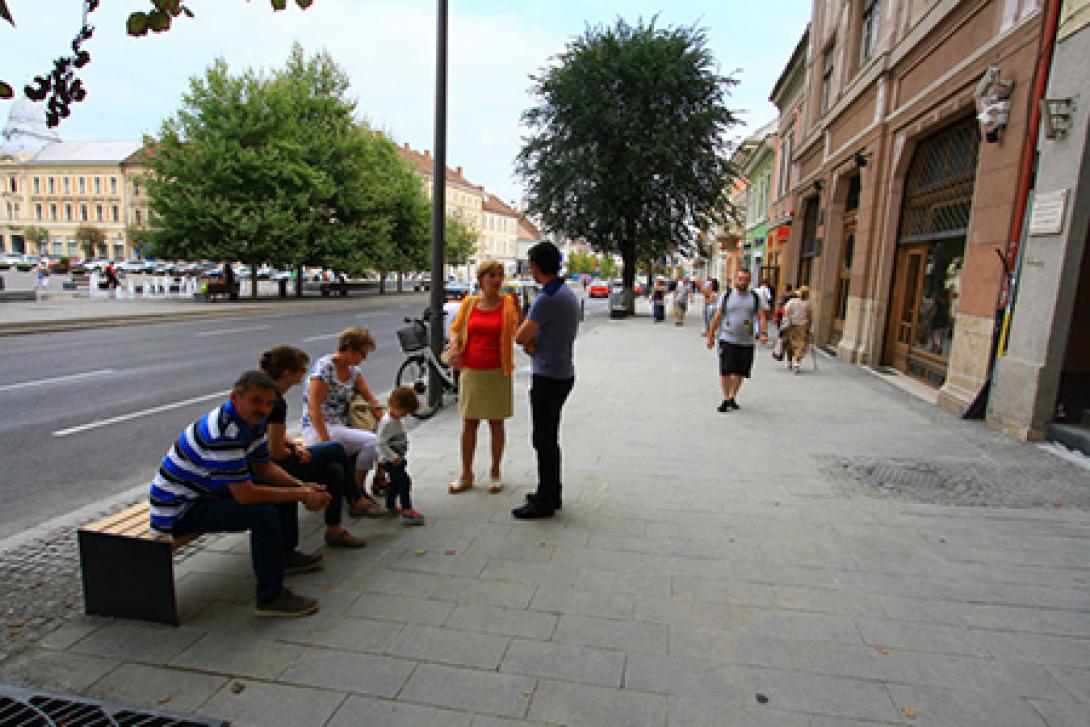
pixel 741 314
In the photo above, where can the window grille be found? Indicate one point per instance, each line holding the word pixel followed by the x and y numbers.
pixel 939 187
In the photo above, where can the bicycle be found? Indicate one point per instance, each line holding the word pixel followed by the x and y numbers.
pixel 415 370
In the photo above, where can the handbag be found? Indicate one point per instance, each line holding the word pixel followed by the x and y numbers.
pixel 361 415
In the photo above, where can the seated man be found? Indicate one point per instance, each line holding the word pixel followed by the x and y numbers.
pixel 204 486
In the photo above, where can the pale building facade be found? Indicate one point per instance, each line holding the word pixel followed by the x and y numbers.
pixel 63 186
pixel 499 234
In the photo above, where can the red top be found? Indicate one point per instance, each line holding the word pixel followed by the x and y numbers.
pixel 482 350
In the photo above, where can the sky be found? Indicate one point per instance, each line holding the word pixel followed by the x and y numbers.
pixel 388 50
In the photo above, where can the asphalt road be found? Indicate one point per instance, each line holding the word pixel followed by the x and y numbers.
pixel 88 414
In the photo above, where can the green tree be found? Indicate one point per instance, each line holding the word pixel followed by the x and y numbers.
pixel 270 169
pixel 35 236
pixel 89 238
pixel 627 145
pixel 461 241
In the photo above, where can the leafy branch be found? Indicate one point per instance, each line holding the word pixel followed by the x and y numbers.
pixel 60 88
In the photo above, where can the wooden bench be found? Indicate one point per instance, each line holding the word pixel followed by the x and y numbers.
pixel 128 571
pixel 222 290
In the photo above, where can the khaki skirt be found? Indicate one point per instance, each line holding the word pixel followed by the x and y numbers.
pixel 485 394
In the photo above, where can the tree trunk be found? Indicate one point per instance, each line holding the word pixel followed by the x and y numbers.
pixel 627 279
pixel 382 282
pixel 400 276
pixel 253 280
pixel 298 281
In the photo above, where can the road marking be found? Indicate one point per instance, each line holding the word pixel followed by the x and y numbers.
pixel 56 380
pixel 137 414
pixel 323 337
pixel 241 329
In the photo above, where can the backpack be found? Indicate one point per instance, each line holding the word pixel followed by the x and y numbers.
pixel 756 300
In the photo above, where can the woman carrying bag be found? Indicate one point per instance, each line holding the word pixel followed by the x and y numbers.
pixel 482 347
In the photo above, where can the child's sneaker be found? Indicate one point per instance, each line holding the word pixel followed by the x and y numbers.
pixel 411 517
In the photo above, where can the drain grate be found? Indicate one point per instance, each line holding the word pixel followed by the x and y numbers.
pixel 971 483
pixel 31 708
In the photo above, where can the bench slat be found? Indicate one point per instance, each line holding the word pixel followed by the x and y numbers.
pixel 128 513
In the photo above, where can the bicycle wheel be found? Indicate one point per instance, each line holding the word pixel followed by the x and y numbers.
pixel 414 374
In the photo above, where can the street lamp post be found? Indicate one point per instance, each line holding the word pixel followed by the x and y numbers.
pixel 439 197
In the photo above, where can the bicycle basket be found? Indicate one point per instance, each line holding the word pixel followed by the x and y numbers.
pixel 412 338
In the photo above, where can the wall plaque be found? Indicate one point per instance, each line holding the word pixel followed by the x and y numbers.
pixel 1048 213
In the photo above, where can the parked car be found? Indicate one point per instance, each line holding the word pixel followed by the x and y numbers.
pixel 598 289
pixel 10 260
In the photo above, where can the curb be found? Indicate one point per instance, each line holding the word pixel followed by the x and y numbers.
pixel 226 311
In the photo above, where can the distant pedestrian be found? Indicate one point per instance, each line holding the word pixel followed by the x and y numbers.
pixel 711 296
pixel 766 294
pixel 681 301
pixel 41 283
pixel 658 302
pixel 548 335
pixel 112 281
pixel 393 451
pixel 797 314
pixel 740 315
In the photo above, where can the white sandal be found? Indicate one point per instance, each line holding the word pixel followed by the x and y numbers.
pixel 495 484
pixel 459 485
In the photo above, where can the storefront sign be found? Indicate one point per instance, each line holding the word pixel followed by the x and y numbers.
pixel 1048 213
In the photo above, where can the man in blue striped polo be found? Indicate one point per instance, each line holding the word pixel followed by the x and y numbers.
pixel 204 485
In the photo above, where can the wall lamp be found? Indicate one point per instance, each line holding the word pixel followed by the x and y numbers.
pixel 818 185
pixel 1057 114
pixel 860 159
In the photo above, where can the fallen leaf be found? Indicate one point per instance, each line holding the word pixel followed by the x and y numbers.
pixel 762 698
pixel 942 540
pixel 451 551
pixel 419 552
pixel 908 712
pixel 527 692
pixel 1057 504
pixel 34 586
pixel 165 698
pixel 881 649
pixel 238 687
pixel 777 504
pixel 16 624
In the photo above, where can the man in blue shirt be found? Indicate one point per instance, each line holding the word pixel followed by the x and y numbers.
pixel 548 335
pixel 204 485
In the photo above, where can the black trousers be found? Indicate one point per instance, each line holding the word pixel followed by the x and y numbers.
pixel 274 533
pixel 547 397
pixel 328 466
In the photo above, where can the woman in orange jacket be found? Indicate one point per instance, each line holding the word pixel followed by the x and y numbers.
pixel 483 333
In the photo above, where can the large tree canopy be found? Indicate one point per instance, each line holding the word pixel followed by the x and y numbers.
pixel 627 141
pixel 274 168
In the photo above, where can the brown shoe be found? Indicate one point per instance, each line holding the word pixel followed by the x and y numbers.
pixel 344 539
pixel 364 507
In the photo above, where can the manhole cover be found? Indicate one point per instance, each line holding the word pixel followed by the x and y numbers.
pixel 969 483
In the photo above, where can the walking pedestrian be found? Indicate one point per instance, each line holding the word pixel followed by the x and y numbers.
pixel 711 295
pixel 548 335
pixel 797 315
pixel 658 302
pixel 681 301
pixel 740 315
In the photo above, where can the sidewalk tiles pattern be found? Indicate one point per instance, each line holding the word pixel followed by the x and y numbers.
pixel 747 568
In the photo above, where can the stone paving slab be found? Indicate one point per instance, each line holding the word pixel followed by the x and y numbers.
pixel 698 563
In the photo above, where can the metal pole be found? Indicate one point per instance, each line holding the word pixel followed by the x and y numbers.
pixel 439 197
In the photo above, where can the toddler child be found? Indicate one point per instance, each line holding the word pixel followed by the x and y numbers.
pixel 392 446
